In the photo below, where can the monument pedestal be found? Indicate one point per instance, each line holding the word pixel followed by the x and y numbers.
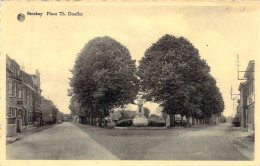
pixel 140 121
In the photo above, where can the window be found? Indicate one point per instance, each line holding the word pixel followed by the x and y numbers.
pixel 24 117
pixel 28 95
pixel 20 112
pixel 250 87
pixel 27 117
pixel 253 114
pixel 253 88
pixel 13 88
pixel 10 113
pixel 17 89
pixel 25 95
pixel 10 87
pixel 15 71
pixel 13 112
pixel 20 92
pixel 248 116
pixel 31 97
pixel 18 73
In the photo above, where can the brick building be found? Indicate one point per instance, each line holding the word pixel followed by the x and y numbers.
pixel 250 76
pixel 246 108
pixel 242 105
pixel 22 98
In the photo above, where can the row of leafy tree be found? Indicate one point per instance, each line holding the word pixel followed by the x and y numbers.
pixel 171 73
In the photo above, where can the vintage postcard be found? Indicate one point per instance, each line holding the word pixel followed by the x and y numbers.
pixel 135 82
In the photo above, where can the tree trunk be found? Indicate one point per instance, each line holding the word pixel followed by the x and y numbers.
pixel 105 122
pixel 174 120
pixel 171 120
pixel 181 121
pixel 92 123
pixel 100 121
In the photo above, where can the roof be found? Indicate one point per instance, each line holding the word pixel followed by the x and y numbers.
pixel 27 78
pixel 250 68
pixel 12 60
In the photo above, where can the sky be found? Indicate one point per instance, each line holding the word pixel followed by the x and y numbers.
pixel 51 43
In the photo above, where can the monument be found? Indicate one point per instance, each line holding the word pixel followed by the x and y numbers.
pixel 140 119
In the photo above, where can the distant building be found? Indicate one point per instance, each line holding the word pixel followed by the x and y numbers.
pixel 59 117
pixel 67 117
pixel 49 111
pixel 22 98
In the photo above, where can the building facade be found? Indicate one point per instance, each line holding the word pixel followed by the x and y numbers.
pixel 22 98
pixel 250 76
pixel 246 108
pixel 242 106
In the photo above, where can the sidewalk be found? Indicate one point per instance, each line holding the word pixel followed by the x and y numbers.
pixel 60 142
pixel 243 141
pixel 25 133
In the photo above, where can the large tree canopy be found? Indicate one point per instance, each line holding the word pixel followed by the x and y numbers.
pixel 173 74
pixel 104 75
pixel 75 106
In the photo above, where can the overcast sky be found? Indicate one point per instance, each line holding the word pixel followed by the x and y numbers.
pixel 51 44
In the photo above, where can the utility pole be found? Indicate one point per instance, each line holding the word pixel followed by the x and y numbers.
pixel 237 64
pixel 238 71
pixel 234 98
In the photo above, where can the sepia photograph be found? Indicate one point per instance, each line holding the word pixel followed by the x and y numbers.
pixel 111 80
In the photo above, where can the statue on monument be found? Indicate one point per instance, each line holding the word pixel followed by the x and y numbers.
pixel 140 119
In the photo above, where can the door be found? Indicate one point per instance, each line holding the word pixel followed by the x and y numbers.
pixel 18 126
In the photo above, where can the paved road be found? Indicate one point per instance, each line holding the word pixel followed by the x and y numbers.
pixel 196 143
pixel 210 143
pixel 66 141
